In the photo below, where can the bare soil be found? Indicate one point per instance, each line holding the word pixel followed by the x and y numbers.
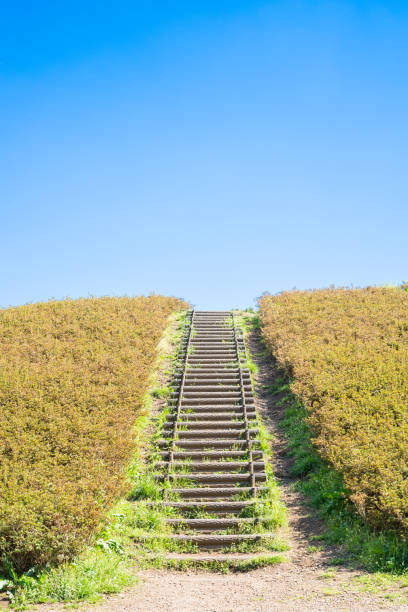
pixel 306 582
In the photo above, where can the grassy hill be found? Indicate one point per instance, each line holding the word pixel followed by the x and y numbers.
pixel 346 353
pixel 72 377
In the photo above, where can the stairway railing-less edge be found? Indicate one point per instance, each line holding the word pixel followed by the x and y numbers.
pixel 178 408
pixel 243 399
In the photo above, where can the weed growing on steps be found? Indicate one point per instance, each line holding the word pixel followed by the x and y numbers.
pixel 162 392
pixel 266 544
pixel 224 567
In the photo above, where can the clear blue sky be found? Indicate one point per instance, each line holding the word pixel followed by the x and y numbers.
pixel 208 149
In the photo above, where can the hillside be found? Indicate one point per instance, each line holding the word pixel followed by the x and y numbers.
pixel 72 377
pixel 346 352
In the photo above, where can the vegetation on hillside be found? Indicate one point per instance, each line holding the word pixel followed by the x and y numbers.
pixel 72 378
pixel 346 352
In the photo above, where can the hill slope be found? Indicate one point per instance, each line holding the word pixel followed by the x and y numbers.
pixel 347 352
pixel 72 377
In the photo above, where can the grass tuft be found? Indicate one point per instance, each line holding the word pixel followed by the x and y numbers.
pixel 87 579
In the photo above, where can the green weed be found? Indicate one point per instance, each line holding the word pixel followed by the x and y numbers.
pixel 93 575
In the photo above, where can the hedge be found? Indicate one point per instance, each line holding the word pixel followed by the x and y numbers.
pixel 72 378
pixel 347 353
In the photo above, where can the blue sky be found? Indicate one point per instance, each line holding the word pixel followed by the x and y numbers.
pixel 211 150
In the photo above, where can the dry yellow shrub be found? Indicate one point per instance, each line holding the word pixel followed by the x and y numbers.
pixel 347 351
pixel 72 377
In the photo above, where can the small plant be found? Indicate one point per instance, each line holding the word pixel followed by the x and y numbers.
pixel 87 579
pixel 161 392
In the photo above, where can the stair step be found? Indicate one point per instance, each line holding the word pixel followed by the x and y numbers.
pixel 218 393
pixel 214 383
pixel 211 386
pixel 212 375
pixel 211 492
pixel 237 434
pixel 215 359
pixel 210 523
pixel 204 412
pixel 232 478
pixel 209 344
pixel 215 465
pixel 232 559
pixel 226 346
pixel 218 416
pixel 213 424
pixel 210 541
pixel 213 337
pixel 211 443
pixel 217 407
pixel 215 400
pixel 201 370
pixel 216 349
pixel 212 507
pixel 214 454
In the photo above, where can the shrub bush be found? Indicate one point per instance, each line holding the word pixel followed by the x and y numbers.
pixel 347 351
pixel 72 378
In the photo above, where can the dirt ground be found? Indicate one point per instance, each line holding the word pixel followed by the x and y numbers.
pixel 306 582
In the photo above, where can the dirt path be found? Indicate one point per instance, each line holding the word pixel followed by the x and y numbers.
pixel 306 582
pixel 287 587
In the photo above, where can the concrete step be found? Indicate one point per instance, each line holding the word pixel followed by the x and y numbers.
pixel 212 507
pixel 213 454
pixel 211 541
pixel 213 424
pixel 210 414
pixel 210 443
pixel 215 466
pixel 215 492
pixel 232 560
pixel 231 411
pixel 207 434
pixel 195 377
pixel 216 399
pixel 211 387
pixel 210 524
pixel 218 393
pixel 217 478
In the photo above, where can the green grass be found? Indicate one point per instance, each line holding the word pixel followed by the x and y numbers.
pixel 161 392
pixel 93 575
pixel 146 487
